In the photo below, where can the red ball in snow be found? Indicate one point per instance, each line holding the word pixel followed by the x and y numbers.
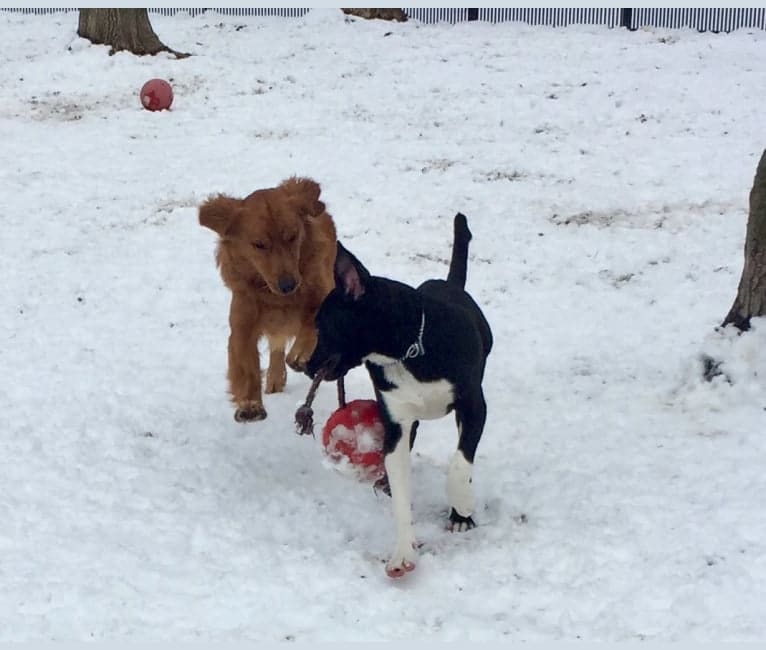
pixel 156 95
pixel 355 433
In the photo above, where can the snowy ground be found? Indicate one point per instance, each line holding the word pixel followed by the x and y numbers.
pixel 605 175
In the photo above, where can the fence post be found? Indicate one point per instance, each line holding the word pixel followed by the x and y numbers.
pixel 626 19
pixel 473 14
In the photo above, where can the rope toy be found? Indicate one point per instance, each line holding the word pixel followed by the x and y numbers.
pixel 304 416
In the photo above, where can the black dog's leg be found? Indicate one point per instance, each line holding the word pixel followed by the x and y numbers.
pixel 382 483
pixel 470 415
pixel 396 448
pixel 413 433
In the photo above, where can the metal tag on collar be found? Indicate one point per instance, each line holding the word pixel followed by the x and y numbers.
pixel 417 349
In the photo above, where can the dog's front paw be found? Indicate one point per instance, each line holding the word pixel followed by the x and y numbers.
pixel 458 523
pixel 296 363
pixel 402 562
pixel 250 412
pixel 301 351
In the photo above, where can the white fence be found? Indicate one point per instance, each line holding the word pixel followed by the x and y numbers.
pixel 723 19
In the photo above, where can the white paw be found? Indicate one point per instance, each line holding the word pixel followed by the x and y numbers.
pixel 402 561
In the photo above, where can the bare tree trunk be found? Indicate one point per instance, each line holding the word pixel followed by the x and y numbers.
pixel 123 29
pixel 383 14
pixel 751 294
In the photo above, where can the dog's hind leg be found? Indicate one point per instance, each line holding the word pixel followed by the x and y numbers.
pixel 276 375
pixel 471 416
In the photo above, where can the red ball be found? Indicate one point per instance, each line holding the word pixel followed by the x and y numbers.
pixel 355 433
pixel 156 95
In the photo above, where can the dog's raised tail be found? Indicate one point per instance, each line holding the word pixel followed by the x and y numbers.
pixel 459 262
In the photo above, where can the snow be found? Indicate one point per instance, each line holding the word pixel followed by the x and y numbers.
pixel 605 175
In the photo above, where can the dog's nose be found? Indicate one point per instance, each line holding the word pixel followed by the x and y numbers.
pixel 287 284
pixel 329 368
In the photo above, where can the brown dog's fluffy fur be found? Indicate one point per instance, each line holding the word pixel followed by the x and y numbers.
pixel 276 251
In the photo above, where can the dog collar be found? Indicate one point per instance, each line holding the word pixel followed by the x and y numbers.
pixel 417 349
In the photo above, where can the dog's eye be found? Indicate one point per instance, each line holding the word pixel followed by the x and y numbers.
pixel 259 245
pixel 291 238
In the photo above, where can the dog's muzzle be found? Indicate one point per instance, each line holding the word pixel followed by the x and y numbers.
pixel 328 369
pixel 287 285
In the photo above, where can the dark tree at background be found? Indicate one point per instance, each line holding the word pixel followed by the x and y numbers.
pixel 751 294
pixel 123 29
pixel 383 14
pixel 750 301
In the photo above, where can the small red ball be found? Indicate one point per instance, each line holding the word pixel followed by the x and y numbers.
pixel 355 433
pixel 156 95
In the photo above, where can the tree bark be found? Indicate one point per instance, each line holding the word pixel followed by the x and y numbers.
pixel 751 294
pixel 123 29
pixel 383 14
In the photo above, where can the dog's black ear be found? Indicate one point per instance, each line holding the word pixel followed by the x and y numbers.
pixel 351 278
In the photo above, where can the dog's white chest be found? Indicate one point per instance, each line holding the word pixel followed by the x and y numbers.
pixel 412 399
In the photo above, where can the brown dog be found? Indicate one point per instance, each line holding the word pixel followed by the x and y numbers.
pixel 276 251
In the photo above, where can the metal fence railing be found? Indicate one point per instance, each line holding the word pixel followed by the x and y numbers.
pixel 283 12
pixel 429 15
pixel 724 19
pixel 713 20
pixel 553 17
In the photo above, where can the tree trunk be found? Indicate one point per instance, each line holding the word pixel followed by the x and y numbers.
pixel 383 14
pixel 123 29
pixel 751 294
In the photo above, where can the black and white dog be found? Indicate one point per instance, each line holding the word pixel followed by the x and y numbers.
pixel 425 350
